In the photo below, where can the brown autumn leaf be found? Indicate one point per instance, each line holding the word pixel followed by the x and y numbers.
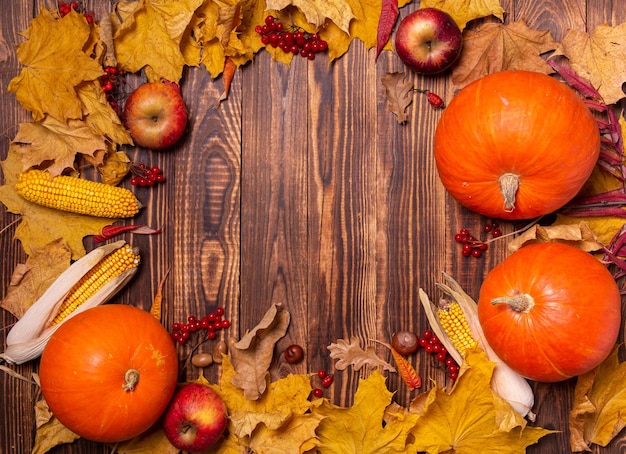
pixel 399 93
pixel 153 441
pixel 578 235
pixel 54 64
pixel 350 353
pixel 57 142
pixel 40 225
pixel 599 57
pixel 494 47
pixel 147 36
pixel 32 278
pixel 318 11
pixel 464 11
pixel 599 405
pixel 116 166
pixel 49 431
pixel 253 353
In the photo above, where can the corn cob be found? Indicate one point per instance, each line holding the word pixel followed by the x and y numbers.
pixel 109 267
pixel 452 320
pixel 28 337
pixel 76 195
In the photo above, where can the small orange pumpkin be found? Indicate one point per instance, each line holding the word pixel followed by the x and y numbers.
pixel 108 373
pixel 515 145
pixel 550 311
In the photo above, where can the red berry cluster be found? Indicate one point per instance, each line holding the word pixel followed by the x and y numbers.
pixel 211 323
pixel 66 7
pixel 290 39
pixel 431 344
pixel 473 246
pixel 327 380
pixel 110 82
pixel 146 176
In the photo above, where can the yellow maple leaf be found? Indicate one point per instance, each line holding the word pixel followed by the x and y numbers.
pixel 494 47
pixel 361 428
pixel 463 11
pixel 299 431
pixel 465 420
pixel 40 225
pixel 57 142
pixel 31 279
pixel 55 64
pixel 50 432
pixel 597 414
pixel 282 400
pixel 599 57
pixel 317 12
pixel 149 34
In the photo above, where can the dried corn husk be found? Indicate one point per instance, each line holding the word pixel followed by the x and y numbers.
pixel 505 382
pixel 29 335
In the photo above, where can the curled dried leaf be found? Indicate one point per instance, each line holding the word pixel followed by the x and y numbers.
pixel 349 353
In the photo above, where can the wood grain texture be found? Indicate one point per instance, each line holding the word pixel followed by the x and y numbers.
pixel 300 189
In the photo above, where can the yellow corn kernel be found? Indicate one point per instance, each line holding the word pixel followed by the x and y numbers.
pixel 452 320
pixel 76 195
pixel 110 266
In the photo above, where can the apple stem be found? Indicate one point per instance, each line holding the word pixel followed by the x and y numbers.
pixel 131 378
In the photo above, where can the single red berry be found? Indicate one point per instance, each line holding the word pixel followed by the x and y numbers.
pixel 225 323
pixel 496 232
pixel 318 393
pixel 211 334
pixel 219 311
pixel 434 99
pixel 321 373
pixel 477 253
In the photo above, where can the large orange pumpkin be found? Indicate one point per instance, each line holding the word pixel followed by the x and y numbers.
pixel 108 373
pixel 515 145
pixel 550 311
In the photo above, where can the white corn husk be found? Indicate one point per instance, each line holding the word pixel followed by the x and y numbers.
pixel 505 382
pixel 28 337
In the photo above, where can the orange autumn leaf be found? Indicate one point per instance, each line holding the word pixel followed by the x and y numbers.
pixel 228 74
pixel 155 308
pixel 54 65
pixel 407 371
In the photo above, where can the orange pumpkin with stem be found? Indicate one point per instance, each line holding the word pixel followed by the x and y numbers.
pixel 108 373
pixel 550 311
pixel 515 145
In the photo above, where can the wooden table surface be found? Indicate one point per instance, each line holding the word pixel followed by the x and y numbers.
pixel 300 189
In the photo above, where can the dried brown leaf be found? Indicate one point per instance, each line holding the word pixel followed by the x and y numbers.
pixel 252 355
pixel 350 353
pixel 579 235
pixel 399 91
pixel 494 47
pixel 50 432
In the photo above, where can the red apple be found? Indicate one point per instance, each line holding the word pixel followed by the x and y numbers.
pixel 428 41
pixel 195 418
pixel 155 115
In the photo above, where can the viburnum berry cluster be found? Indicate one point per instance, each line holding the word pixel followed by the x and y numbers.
pixel 471 245
pixel 291 39
pixel 66 7
pixel 432 345
pixel 209 324
pixel 326 380
pixel 146 176
pixel 110 83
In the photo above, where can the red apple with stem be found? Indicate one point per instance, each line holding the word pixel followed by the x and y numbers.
pixel 195 418
pixel 155 115
pixel 428 41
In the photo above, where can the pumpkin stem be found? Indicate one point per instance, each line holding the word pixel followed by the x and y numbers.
pixel 519 303
pixel 509 184
pixel 131 378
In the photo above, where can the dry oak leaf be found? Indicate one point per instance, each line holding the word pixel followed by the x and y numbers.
pixel 317 11
pixel 33 277
pixel 149 35
pixel 465 420
pixel 464 11
pixel 49 431
pixel 599 405
pixel 399 93
pixel 579 235
pixel 350 353
pixel 599 57
pixel 57 142
pixel 494 47
pixel 284 399
pixel 252 355
pixel 55 64
pixel 40 225
pixel 362 427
